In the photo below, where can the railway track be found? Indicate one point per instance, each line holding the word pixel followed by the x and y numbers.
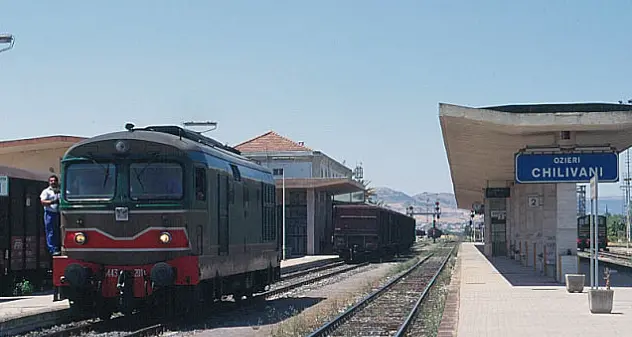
pixel 299 273
pixel 135 326
pixel 390 310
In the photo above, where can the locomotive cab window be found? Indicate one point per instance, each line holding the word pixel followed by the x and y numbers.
pixel 156 181
pixel 91 181
pixel 200 183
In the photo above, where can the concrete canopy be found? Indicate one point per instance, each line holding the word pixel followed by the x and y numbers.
pixel 332 185
pixel 481 142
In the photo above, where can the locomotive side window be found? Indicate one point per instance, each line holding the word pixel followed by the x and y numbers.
pixel 269 216
pixel 89 181
pixel 156 181
pixel 200 183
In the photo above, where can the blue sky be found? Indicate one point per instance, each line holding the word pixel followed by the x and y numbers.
pixel 359 80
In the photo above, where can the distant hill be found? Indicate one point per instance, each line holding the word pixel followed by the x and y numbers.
pixel 391 196
pixel 424 202
pixel 451 217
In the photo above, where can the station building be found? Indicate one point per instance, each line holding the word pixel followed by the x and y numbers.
pixel 519 166
pixel 41 154
pixel 312 180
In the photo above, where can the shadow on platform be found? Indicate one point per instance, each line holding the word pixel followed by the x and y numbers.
pixel 518 275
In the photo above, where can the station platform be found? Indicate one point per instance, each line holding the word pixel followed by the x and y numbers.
pixel 499 297
pixel 40 310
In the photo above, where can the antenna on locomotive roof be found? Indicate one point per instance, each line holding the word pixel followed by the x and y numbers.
pixel 208 123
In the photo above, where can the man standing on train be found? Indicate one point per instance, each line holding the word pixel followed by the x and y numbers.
pixel 50 201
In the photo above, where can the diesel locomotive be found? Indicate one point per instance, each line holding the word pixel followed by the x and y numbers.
pixel 161 217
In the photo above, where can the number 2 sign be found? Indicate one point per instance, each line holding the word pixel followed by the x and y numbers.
pixel 534 201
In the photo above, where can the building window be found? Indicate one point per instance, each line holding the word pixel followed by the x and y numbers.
pixel 277 172
pixel 565 135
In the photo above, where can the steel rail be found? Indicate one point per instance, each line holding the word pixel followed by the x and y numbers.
pixel 333 324
pixel 289 276
pixel 404 327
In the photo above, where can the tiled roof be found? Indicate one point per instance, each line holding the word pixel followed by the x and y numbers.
pixel 271 142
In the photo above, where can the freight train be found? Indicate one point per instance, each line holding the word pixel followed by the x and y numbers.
pixel 161 217
pixel 366 231
pixel 583 233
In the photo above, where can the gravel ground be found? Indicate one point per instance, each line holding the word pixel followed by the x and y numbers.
pixel 284 283
pixel 56 328
pixel 342 296
pixel 429 315
pixel 311 305
pixel 256 318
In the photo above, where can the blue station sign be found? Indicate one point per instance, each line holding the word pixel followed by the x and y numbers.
pixel 566 167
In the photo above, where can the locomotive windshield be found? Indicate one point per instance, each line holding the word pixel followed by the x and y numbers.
pixel 155 181
pixel 90 181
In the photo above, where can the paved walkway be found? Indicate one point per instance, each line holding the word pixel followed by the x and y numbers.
pixel 521 303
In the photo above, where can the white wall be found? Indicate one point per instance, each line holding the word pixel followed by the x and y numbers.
pixel 550 224
pixel 292 169
pixel 329 168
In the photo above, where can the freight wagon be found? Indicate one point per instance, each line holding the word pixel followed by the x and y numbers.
pixel 22 238
pixel 368 231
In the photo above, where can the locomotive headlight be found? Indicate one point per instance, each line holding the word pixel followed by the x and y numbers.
pixel 80 238
pixel 165 237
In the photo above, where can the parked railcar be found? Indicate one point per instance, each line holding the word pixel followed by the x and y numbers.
pixel 583 233
pixel 434 233
pixel 161 217
pixel 22 239
pixel 368 231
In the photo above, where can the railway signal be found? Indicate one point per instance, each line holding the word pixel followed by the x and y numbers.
pixel 436 215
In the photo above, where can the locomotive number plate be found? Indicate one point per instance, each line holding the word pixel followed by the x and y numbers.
pixel 138 272
pixel 121 213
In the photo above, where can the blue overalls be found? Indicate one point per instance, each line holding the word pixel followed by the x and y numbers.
pixel 51 221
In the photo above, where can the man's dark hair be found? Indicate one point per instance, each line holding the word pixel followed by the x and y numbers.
pixel 53 176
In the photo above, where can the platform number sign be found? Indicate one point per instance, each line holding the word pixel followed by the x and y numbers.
pixel 4 186
pixel 534 201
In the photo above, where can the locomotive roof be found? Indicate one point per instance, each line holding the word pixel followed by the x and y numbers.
pixel 14 172
pixel 183 144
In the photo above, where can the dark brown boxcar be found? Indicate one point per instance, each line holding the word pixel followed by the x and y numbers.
pixel 22 238
pixel 369 231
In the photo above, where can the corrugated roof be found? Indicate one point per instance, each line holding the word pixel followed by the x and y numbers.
pixel 271 141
